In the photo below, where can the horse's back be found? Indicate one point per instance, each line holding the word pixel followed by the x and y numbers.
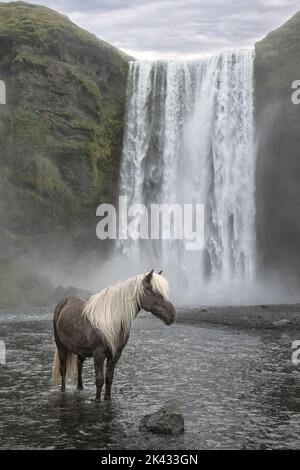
pixel 72 329
pixel 76 304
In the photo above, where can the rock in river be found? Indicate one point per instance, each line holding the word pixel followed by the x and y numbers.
pixel 167 420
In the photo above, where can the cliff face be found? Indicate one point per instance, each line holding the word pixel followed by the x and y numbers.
pixel 61 130
pixel 277 65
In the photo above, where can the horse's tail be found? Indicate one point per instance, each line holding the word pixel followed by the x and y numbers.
pixel 71 372
pixel 71 364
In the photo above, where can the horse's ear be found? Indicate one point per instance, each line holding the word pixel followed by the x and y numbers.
pixel 160 272
pixel 149 276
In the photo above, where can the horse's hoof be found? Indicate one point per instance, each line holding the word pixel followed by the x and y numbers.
pixel 107 397
pixel 97 399
pixel 79 387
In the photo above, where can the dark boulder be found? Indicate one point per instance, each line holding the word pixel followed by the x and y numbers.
pixel 61 292
pixel 167 420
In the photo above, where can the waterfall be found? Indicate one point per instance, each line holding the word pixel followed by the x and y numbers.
pixel 189 138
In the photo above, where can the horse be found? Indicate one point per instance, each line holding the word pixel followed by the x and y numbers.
pixel 100 327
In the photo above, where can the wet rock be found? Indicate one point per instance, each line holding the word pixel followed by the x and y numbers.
pixel 61 292
pixel 167 420
pixel 282 322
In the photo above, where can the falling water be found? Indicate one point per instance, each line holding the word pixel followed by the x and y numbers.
pixel 189 138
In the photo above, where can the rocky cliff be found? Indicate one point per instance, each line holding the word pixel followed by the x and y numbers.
pixel 61 134
pixel 277 65
pixel 61 130
pixel 60 137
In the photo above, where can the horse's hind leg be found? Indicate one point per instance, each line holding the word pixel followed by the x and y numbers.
pixel 99 357
pixel 109 376
pixel 80 361
pixel 63 354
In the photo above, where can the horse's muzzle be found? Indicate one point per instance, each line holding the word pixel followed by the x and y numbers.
pixel 171 314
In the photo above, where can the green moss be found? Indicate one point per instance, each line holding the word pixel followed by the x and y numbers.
pixel 88 84
pixel 38 24
pixel 31 58
pixel 22 131
pixel 44 176
pixel 278 55
pixel 61 133
pixel 83 124
pixel 277 65
pixel 102 148
pixel 30 127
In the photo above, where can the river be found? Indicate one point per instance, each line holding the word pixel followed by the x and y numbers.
pixel 236 389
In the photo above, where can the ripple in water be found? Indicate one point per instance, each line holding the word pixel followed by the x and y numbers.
pixel 235 390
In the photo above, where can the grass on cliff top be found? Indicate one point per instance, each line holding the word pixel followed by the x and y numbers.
pixel 36 23
pixel 279 53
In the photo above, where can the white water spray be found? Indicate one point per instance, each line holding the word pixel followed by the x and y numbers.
pixel 189 138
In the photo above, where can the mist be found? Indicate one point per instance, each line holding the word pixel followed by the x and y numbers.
pixel 52 177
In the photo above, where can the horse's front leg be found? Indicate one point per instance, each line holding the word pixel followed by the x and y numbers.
pixel 80 361
pixel 99 357
pixel 109 375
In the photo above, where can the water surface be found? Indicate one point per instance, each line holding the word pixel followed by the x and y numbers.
pixel 235 389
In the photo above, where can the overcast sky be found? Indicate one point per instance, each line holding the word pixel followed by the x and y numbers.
pixel 177 28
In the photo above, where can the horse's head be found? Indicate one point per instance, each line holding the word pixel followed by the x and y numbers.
pixel 154 298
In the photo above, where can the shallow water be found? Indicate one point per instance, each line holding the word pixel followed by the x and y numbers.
pixel 235 389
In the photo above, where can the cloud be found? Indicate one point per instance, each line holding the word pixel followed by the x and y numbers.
pixel 177 28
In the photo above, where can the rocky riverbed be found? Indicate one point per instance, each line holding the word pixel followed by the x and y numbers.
pixel 251 317
pixel 236 387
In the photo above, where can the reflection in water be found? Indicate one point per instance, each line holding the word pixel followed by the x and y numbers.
pixel 74 412
pixel 235 390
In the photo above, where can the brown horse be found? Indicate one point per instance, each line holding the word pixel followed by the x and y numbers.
pixel 100 327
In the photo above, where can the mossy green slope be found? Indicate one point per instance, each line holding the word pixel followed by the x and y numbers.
pixel 61 130
pixel 277 65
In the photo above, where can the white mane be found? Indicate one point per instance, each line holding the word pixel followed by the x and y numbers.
pixel 113 310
